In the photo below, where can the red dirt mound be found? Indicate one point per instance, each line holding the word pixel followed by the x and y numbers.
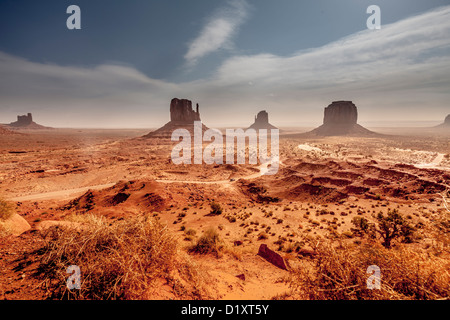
pixel 306 191
pixel 147 195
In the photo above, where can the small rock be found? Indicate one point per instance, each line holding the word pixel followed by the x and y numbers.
pixel 241 276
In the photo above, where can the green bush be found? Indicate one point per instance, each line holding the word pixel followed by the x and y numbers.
pixel 389 227
pixel 393 226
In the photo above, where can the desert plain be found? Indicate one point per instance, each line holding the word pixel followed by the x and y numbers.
pixel 65 187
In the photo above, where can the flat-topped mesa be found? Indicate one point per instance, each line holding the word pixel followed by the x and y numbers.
pixel 182 116
pixel 23 121
pixel 341 112
pixel 340 118
pixel 181 111
pixel 262 121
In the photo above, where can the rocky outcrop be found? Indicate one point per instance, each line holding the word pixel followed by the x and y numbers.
pixel 181 111
pixel 272 257
pixel 447 121
pixel 262 122
pixel 23 121
pixel 341 112
pixel 15 225
pixel 340 118
pixel 26 122
pixel 182 116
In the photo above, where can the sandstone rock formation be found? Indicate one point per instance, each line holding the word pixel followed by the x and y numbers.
pixel 340 118
pixel 182 116
pixel 341 112
pixel 271 256
pixel 26 122
pixel 181 111
pixel 15 225
pixel 262 122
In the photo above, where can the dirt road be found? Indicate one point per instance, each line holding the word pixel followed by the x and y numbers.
pixel 61 194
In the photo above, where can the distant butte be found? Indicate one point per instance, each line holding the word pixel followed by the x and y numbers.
pixel 182 116
pixel 25 122
pixel 446 124
pixel 262 122
pixel 340 119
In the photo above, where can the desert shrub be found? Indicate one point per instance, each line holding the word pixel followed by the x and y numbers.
pixel 393 226
pixel 362 226
pixel 6 210
pixel 262 235
pixel 231 218
pixel 389 227
pixel 121 260
pixel 339 273
pixel 190 232
pixel 209 243
pixel 216 208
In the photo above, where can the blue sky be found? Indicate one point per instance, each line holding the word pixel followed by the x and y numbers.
pixel 235 58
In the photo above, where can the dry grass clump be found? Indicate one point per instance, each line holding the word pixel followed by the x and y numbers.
pixel 122 260
pixel 6 210
pixel 340 274
pixel 209 243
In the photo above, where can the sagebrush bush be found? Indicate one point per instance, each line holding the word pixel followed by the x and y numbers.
pixel 118 261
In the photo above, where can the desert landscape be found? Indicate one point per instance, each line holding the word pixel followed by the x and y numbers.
pixel 224 158
pixel 139 227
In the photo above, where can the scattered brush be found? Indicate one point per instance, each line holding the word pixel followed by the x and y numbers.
pixel 341 274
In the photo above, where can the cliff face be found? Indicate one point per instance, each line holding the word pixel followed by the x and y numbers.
pixel 340 118
pixel 182 116
pixel 447 121
pixel 262 121
pixel 341 112
pixel 181 111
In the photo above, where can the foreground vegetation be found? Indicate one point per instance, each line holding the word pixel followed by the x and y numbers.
pixel 123 260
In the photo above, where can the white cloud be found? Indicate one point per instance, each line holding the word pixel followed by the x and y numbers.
pixel 390 73
pixel 218 30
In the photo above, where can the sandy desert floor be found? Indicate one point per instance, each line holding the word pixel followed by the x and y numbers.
pixel 59 176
